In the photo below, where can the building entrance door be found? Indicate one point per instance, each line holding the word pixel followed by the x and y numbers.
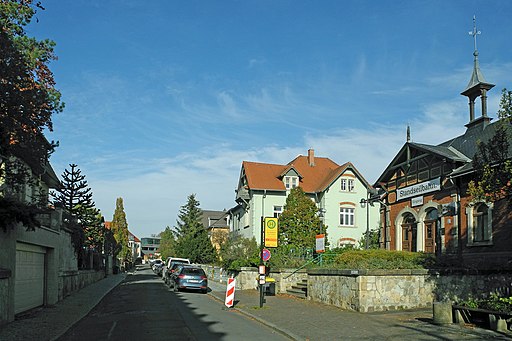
pixel 430 231
pixel 430 236
pixel 409 233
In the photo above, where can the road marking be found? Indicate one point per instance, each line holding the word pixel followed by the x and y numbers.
pixel 112 330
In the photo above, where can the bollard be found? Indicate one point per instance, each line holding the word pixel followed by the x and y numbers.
pixel 442 312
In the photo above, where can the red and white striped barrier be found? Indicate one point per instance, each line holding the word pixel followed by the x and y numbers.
pixel 230 293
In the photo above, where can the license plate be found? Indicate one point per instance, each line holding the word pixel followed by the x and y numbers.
pixel 194 280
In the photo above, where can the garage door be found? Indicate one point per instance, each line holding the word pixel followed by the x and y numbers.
pixel 29 282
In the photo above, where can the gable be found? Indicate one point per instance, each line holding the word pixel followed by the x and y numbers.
pixel 417 163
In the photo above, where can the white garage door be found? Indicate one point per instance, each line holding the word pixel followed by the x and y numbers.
pixel 29 283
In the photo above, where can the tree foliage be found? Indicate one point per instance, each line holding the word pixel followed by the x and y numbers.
pixel 493 176
pixel 28 99
pixel 167 243
pixel 299 223
pixel 373 239
pixel 119 228
pixel 191 236
pixel 237 251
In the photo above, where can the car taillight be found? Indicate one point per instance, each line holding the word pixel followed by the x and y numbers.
pixel 203 277
pixel 181 276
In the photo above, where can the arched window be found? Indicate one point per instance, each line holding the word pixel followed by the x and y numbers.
pixel 480 223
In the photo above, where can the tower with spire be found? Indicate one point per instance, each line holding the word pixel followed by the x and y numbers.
pixel 477 87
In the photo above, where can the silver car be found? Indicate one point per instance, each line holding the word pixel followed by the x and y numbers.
pixel 189 277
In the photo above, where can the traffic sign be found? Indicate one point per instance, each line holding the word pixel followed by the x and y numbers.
pixel 265 254
pixel 271 227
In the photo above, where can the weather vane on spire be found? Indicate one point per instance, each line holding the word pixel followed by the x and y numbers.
pixel 475 32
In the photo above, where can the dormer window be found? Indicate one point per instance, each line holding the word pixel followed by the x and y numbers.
pixel 291 182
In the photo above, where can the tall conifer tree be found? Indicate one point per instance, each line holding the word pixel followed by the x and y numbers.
pixel 120 231
pixel 75 196
pixel 191 237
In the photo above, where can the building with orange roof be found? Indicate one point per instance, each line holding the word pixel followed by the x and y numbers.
pixel 336 190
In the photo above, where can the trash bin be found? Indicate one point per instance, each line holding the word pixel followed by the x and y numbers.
pixel 269 288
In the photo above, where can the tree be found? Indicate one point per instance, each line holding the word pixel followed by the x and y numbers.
pixel 75 196
pixel 299 223
pixel 492 163
pixel 237 251
pixel 167 243
pixel 119 228
pixel 191 237
pixel 373 239
pixel 28 99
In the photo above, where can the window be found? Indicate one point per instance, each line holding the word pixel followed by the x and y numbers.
pixel 346 216
pixel 291 182
pixel 479 224
pixel 480 219
pixel 277 211
pixel 347 185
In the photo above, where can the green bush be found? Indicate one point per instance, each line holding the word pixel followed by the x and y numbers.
pixel 382 259
pixel 494 303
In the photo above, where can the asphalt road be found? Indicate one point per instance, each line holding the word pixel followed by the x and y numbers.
pixel 143 308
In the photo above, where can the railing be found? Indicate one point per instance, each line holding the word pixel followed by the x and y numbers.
pixel 311 261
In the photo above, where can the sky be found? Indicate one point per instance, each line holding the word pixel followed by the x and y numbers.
pixel 166 98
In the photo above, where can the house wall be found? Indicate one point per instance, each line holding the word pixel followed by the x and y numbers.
pixel 331 200
pixel 261 205
pixel 448 225
pixel 61 273
pixel 455 239
pixel 44 237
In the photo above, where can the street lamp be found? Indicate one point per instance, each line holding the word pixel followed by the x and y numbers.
pixel 321 215
pixel 367 202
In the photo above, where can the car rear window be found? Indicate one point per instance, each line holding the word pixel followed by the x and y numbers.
pixel 193 271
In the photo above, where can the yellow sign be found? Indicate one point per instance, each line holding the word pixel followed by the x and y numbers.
pixel 271 232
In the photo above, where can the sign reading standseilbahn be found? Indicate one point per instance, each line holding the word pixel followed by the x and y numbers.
pixel 419 189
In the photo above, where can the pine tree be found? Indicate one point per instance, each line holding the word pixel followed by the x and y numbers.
pixel 119 228
pixel 191 237
pixel 75 196
pixel 299 223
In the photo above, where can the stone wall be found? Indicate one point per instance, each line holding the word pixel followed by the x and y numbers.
pixel 368 291
pixel 377 290
pixel 72 281
pixel 456 286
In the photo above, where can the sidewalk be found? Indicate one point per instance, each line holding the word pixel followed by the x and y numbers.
pixel 51 322
pixel 306 320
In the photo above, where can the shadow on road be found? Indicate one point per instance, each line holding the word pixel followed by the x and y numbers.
pixel 143 308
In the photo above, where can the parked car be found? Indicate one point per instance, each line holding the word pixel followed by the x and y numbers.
pixel 168 265
pixel 157 266
pixel 189 277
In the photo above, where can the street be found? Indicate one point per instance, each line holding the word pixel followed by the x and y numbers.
pixel 143 308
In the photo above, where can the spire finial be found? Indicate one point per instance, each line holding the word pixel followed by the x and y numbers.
pixel 408 133
pixel 474 33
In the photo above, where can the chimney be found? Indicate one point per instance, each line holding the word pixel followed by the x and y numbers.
pixel 311 157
